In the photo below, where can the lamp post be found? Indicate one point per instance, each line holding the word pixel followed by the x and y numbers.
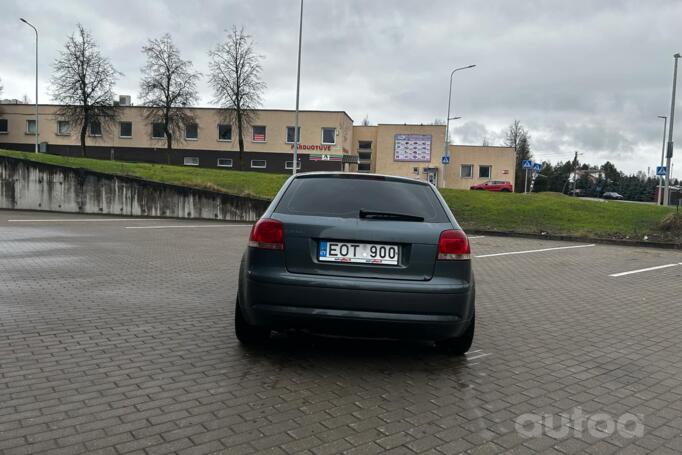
pixel 298 89
pixel 37 129
pixel 660 179
pixel 669 155
pixel 446 152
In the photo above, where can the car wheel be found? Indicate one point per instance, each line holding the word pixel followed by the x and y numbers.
pixel 505 191
pixel 459 345
pixel 248 334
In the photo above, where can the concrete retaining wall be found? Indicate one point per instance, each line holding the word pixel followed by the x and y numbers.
pixel 26 185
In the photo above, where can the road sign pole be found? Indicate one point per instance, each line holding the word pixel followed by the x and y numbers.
pixel 526 164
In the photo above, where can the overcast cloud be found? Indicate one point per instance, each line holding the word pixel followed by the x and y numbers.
pixel 580 75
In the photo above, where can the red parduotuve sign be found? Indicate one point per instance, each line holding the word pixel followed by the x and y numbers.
pixel 322 148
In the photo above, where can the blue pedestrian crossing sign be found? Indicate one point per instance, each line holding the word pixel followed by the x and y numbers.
pixel 445 159
pixel 661 170
pixel 537 167
pixel 527 164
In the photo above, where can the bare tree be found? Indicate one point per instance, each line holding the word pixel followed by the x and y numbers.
pixel 1 86
pixel 518 138
pixel 235 76
pixel 82 82
pixel 514 133
pixel 168 87
pixel 365 121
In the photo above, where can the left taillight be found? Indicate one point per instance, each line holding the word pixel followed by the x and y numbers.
pixel 267 234
pixel 453 245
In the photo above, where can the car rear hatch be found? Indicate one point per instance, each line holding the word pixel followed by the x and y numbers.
pixel 368 215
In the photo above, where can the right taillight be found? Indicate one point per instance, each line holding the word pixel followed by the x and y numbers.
pixel 267 234
pixel 453 245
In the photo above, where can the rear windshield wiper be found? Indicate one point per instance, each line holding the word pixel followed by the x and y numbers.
pixel 375 215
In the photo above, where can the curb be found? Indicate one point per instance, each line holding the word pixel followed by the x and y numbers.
pixel 569 238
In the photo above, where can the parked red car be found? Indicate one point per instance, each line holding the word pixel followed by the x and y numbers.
pixel 494 185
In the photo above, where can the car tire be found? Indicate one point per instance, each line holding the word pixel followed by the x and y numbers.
pixel 505 191
pixel 459 345
pixel 248 334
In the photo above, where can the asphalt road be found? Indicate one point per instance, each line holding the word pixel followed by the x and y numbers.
pixel 116 337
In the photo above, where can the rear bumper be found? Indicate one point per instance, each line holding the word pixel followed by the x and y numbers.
pixel 379 308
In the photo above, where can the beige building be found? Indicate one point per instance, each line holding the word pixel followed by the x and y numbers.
pixel 417 150
pixel 328 141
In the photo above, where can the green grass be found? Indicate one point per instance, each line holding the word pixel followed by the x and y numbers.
pixel 242 183
pixel 558 214
pixel 549 213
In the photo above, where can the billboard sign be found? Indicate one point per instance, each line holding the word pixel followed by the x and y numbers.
pixel 412 147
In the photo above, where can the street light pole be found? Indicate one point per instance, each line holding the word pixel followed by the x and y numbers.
pixel 575 173
pixel 298 89
pixel 660 179
pixel 37 129
pixel 446 152
pixel 669 155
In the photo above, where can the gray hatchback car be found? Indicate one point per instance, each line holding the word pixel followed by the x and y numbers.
pixel 361 255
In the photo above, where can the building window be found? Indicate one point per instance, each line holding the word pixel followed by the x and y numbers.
pixel 364 167
pixel 259 135
pixel 484 172
pixel 365 145
pixel 415 170
pixel 31 127
pixel 290 134
pixel 224 162
pixel 467 171
pixel 3 126
pixel 329 136
pixel 192 131
pixel 125 129
pixel 258 164
pixel 63 128
pixel 190 161
pixel 290 164
pixel 225 133
pixel 158 131
pixel 365 156
pixel 95 128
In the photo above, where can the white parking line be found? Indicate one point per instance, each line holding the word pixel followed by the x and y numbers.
pixel 473 236
pixel 478 356
pixel 648 269
pixel 188 226
pixel 533 251
pixel 81 220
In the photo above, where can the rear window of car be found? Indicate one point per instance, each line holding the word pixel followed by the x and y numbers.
pixel 344 197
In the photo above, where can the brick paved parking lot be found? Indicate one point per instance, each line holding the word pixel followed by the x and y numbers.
pixel 116 337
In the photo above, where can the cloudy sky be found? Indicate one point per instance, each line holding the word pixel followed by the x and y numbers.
pixel 590 76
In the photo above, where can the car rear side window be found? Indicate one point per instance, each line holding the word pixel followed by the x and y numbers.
pixel 344 197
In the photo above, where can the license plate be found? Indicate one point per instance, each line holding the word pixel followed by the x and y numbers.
pixel 358 253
